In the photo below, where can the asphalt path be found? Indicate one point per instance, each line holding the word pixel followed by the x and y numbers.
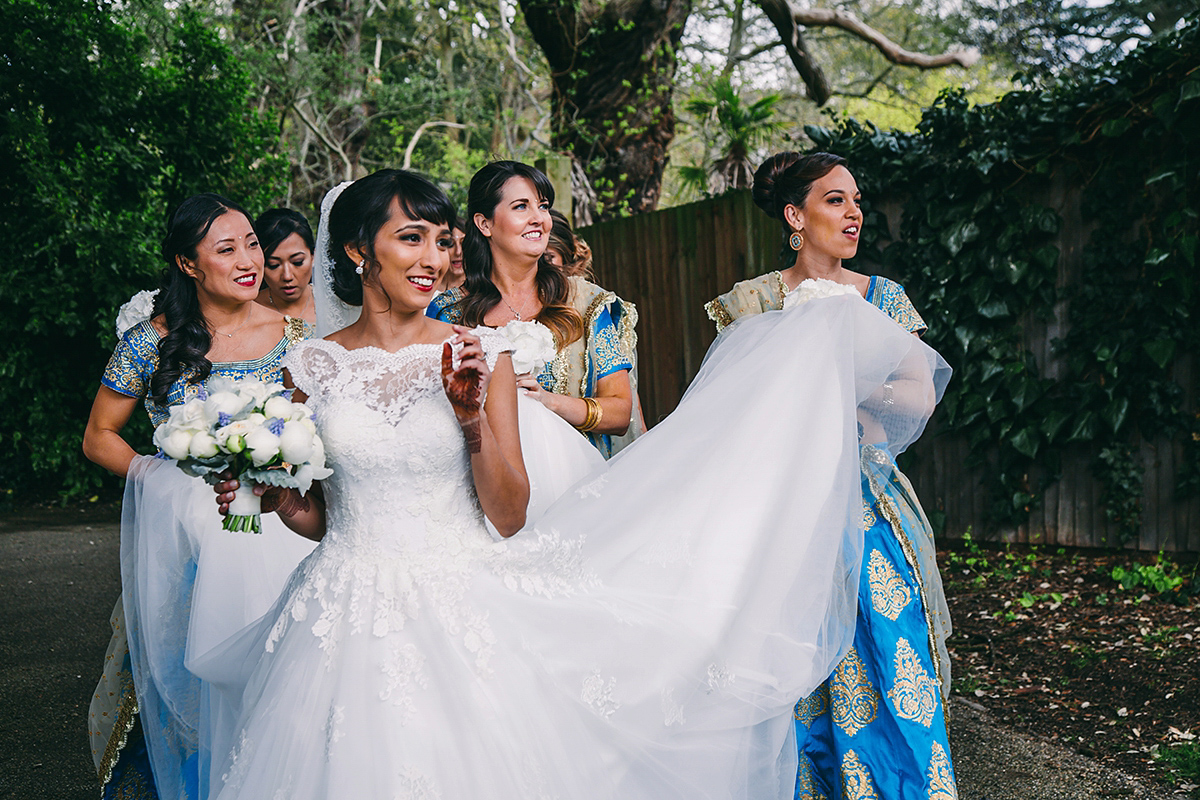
pixel 59 579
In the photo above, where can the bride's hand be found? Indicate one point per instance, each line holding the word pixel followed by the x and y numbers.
pixel 466 385
pixel 274 498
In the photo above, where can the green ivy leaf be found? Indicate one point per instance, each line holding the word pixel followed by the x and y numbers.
pixel 1053 423
pixel 1115 127
pixel 1161 351
pixel 994 310
pixel 1115 411
pixel 1026 442
pixel 988 370
pixel 1085 428
pixel 1190 90
pixel 960 235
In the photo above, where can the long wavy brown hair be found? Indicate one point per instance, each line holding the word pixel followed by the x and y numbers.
pixel 554 291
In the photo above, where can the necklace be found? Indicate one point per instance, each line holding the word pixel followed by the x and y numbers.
pixel 249 312
pixel 515 313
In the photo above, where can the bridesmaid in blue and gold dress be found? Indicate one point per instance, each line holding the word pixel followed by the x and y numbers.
pixel 204 322
pixel 509 277
pixel 876 728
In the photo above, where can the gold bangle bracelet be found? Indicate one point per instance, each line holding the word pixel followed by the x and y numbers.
pixel 595 413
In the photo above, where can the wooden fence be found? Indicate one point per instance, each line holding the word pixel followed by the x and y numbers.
pixel 671 262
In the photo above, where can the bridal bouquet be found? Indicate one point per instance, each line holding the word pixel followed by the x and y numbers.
pixel 252 429
pixel 532 346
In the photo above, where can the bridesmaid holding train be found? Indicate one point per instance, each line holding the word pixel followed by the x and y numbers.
pixel 876 728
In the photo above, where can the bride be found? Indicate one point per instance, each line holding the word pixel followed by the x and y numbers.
pixel 646 638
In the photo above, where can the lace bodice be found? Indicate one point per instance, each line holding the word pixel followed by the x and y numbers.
pixel 400 466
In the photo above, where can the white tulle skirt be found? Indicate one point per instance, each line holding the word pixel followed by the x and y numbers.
pixel 188 586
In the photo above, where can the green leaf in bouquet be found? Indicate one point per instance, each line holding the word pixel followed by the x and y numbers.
pixel 206 468
pixel 270 477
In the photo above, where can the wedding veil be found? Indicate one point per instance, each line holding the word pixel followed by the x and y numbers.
pixel 333 313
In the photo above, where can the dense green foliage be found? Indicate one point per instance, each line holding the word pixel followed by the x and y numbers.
pixel 113 113
pixel 977 248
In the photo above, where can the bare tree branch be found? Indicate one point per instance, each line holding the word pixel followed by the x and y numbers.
pixel 780 14
pixel 789 19
pixel 828 17
pixel 412 143
pixel 325 140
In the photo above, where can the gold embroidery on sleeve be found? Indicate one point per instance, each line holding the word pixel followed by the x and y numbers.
pixel 856 779
pixel 854 701
pixel 889 593
pixel 915 694
pixel 718 313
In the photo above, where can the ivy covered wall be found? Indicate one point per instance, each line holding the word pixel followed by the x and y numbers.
pixel 1050 241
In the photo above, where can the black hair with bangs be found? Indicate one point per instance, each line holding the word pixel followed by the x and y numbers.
pixel 363 209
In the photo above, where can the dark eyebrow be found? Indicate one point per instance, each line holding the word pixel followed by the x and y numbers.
pixel 418 226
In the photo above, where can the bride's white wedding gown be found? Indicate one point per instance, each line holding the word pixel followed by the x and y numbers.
pixel 648 638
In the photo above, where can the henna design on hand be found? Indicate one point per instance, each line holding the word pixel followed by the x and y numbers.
pixel 474 433
pixel 462 387
pixel 287 503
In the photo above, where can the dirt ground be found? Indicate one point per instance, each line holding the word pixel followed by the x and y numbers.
pixel 1051 644
pixel 1038 685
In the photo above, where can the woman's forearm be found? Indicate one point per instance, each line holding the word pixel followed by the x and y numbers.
pixel 109 450
pixel 502 489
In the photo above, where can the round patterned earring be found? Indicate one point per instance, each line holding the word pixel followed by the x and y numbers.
pixel 796 240
pixel 359 268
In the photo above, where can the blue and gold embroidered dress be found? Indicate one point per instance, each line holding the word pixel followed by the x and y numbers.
pixel 876 728
pixel 609 345
pixel 118 743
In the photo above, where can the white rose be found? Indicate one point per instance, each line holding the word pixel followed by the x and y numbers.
pixel 532 345
pixel 256 392
pixel 232 437
pixel 315 469
pixel 296 443
pixel 135 311
pixel 173 441
pixel 262 445
pixel 300 411
pixel 814 288
pixel 222 402
pixel 203 445
pixel 189 416
pixel 279 407
pixel 221 383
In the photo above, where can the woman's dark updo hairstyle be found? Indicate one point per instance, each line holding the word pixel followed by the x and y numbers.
pixel 364 207
pixel 277 224
pixel 554 291
pixel 784 180
pixel 182 352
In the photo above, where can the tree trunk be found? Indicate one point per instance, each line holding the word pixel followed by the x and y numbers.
pixel 613 67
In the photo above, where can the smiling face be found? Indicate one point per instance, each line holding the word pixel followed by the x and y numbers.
pixel 289 268
pixel 410 257
pixel 832 215
pixel 519 228
pixel 228 264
